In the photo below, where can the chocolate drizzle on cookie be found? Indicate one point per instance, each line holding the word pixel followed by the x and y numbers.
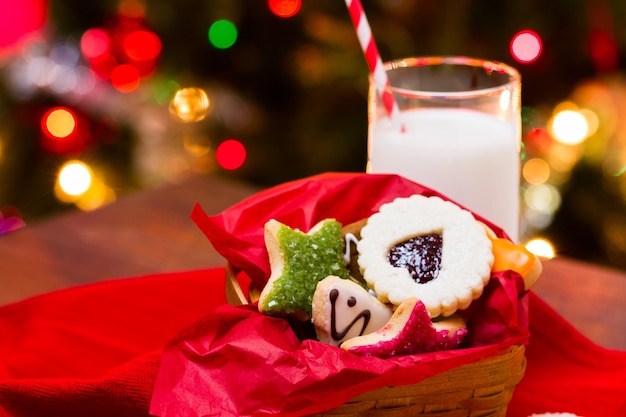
pixel 351 302
pixel 420 255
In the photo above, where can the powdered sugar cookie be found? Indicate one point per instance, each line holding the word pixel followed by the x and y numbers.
pixel 342 309
pixel 427 248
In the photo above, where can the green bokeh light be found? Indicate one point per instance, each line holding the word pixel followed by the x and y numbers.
pixel 223 34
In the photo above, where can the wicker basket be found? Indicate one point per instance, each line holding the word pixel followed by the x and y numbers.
pixel 479 389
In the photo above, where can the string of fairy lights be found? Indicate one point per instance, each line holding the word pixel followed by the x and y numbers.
pixel 123 58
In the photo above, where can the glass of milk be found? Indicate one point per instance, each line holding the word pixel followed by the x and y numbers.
pixel 459 132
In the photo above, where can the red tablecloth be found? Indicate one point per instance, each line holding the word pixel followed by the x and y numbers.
pixel 94 351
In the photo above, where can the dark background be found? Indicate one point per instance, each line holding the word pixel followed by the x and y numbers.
pixel 293 91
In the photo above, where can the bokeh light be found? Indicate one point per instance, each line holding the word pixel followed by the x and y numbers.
pixel 135 9
pixel 197 145
pixel 284 8
pixel 564 157
pixel 59 123
pixel 189 105
pixel 94 43
pixel 230 154
pixel 125 78
pixel 536 171
pixel 73 180
pixel 124 52
pixel 541 248
pixel 526 46
pixel 538 141
pixel 222 34
pixel 19 19
pixel 165 90
pixel 64 132
pixel 142 45
pixel 604 50
pixel 569 127
pixel 97 195
pixel 542 198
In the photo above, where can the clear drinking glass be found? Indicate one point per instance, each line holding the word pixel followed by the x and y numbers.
pixel 460 132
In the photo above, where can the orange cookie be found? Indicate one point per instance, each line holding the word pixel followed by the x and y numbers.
pixel 509 256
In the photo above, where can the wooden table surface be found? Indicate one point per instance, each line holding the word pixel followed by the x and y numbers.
pixel 151 232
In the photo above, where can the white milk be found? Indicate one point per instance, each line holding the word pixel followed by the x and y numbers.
pixel 471 157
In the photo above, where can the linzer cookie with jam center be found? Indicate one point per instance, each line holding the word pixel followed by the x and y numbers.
pixel 425 248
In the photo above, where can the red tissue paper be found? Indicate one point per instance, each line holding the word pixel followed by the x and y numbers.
pixel 238 362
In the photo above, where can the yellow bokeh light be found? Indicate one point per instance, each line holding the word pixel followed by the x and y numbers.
pixel 542 198
pixel 563 157
pixel 189 105
pixel 536 171
pixel 96 196
pixel 60 123
pixel 593 123
pixel 197 145
pixel 74 178
pixel 541 248
pixel 570 127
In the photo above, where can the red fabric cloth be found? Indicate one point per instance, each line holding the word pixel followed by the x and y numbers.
pixel 94 350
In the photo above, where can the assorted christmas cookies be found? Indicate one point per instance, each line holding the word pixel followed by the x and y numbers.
pixel 389 284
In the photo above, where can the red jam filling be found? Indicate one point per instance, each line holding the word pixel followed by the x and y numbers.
pixel 420 255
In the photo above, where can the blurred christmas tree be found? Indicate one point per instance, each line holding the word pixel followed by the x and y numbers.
pixel 102 98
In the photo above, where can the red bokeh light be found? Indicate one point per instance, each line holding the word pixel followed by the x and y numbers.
pixel 124 52
pixel 18 19
pixel 142 45
pixel 284 8
pixel 526 46
pixel 94 43
pixel 230 154
pixel 604 51
pixel 538 141
pixel 103 66
pixel 125 78
pixel 69 137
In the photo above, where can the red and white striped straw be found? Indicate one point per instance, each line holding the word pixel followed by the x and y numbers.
pixel 372 56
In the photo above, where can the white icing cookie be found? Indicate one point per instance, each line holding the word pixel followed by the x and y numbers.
pixel 455 260
pixel 342 309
